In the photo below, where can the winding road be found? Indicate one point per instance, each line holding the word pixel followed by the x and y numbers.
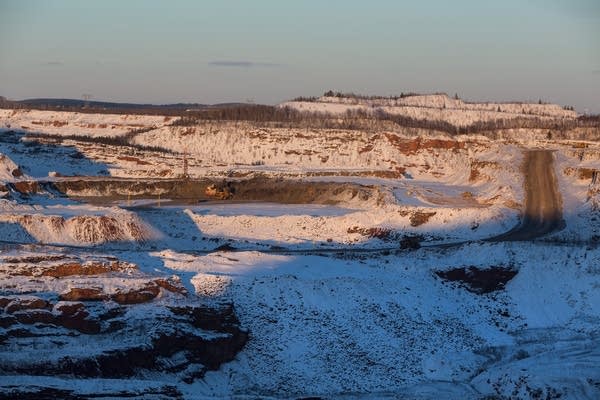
pixel 543 202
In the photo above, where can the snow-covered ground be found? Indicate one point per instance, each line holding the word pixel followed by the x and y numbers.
pixel 377 324
pixel 433 108
pixel 325 318
pixel 384 326
pixel 74 123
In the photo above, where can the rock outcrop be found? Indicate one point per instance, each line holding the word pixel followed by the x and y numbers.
pixel 65 315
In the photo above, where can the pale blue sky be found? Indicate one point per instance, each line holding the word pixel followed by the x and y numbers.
pixel 273 50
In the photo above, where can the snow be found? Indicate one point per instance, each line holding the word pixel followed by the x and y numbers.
pixel 578 194
pixel 340 323
pixel 74 123
pixel 380 324
pixel 443 101
pixel 450 223
pixel 433 108
pixel 73 225
pixel 8 169
pixel 38 160
pixel 384 326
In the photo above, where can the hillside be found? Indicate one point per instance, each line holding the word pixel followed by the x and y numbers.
pixel 438 107
pixel 105 107
pixel 301 250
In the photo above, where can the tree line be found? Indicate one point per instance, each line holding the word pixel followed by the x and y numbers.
pixel 287 117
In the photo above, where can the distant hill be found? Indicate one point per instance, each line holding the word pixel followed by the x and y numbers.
pixel 103 104
pixel 108 107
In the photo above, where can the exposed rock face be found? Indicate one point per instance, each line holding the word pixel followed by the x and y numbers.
pixel 44 393
pixel 93 268
pixel 23 303
pixel 259 188
pixel 413 146
pixel 137 295
pixel 82 229
pixel 119 342
pixel 83 294
pixel 8 169
pixel 62 266
pixel 375 232
pixel 104 318
pixel 29 310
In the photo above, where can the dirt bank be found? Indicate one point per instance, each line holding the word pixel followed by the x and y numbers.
pixel 276 190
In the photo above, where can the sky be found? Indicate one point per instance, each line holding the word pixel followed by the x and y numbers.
pixel 268 51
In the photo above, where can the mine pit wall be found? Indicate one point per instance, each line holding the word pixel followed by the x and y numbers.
pixel 311 149
pixel 256 189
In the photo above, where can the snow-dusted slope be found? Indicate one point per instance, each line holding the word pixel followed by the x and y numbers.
pixel 96 317
pixel 9 171
pixel 80 226
pixel 386 326
pixel 74 123
pixel 433 108
pixel 338 300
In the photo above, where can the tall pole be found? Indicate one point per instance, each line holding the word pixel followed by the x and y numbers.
pixel 185 163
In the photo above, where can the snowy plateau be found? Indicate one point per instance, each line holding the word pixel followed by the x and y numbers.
pixel 337 256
